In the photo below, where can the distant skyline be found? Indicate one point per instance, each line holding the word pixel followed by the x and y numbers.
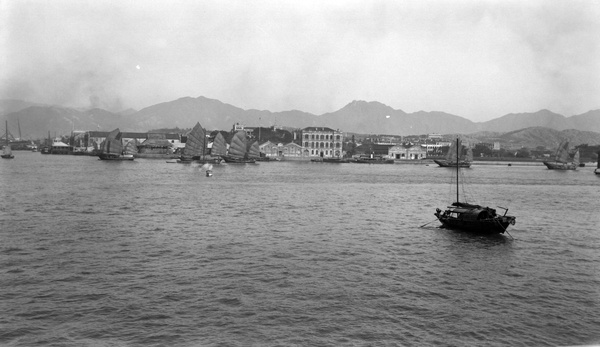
pixel 475 59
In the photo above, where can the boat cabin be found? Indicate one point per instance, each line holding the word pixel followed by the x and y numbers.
pixel 472 214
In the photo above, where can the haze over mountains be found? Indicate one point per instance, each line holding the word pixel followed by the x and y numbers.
pixel 362 117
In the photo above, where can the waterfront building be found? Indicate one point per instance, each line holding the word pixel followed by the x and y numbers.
pixel 157 145
pixel 408 152
pixel 95 138
pixel 321 142
pixel 280 150
pixel 59 147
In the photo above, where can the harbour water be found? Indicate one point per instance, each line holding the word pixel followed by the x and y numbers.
pixel 148 253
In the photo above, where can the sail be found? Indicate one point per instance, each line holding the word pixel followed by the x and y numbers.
pixel 7 150
pixel 219 146
pixel 562 153
pixel 576 158
pixel 469 156
pixel 451 157
pixel 195 145
pixel 237 148
pixel 254 150
pixel 131 147
pixel 112 144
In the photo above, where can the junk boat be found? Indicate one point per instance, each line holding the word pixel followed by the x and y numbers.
pixel 473 218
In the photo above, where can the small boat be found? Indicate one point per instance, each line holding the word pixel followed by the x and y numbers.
pixel 372 159
pixel 562 160
pixel 208 168
pixel 7 151
pixel 238 150
pixel 330 160
pixel 112 147
pixel 47 148
pixel 473 218
pixel 456 156
pixel 597 169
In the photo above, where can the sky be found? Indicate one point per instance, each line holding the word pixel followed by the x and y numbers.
pixel 476 59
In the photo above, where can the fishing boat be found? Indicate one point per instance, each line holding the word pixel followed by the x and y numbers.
pixel 473 218
pixel 112 147
pixel 371 159
pixel 218 148
pixel 131 148
pixel 254 151
pixel 7 151
pixel 195 146
pixel 47 147
pixel 238 150
pixel 330 160
pixel 456 156
pixel 562 160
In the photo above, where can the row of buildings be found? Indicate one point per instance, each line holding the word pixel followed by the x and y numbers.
pixel 306 143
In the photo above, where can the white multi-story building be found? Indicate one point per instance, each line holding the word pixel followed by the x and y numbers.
pixel 322 142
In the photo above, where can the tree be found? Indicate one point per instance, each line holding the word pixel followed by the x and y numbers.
pixel 523 153
pixel 482 149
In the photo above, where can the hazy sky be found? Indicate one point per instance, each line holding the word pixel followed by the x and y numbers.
pixel 476 59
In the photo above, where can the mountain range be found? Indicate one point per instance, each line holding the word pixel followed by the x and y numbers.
pixel 36 120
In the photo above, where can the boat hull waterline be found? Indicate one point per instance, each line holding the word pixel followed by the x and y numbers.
pixel 560 166
pixel 444 163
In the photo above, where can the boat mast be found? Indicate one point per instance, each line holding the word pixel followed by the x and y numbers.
pixel 6 127
pixel 457 157
pixel 204 146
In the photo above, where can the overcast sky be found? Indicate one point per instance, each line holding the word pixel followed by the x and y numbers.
pixel 475 59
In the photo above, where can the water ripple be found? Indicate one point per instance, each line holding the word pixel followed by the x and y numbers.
pixel 283 254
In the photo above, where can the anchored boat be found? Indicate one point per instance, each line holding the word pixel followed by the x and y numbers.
pixel 195 146
pixel 238 150
pixel 457 155
pixel 473 218
pixel 112 147
pixel 7 151
pixel 562 160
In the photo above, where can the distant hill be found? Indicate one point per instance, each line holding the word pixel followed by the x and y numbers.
pixel 513 121
pixel 537 136
pixel 11 105
pixel 36 121
pixel 357 117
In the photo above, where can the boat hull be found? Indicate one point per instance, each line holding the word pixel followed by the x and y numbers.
pixel 560 166
pixel 373 161
pixel 104 156
pixel 7 156
pixel 330 160
pixel 444 163
pixel 474 219
pixel 235 160
pixel 479 227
